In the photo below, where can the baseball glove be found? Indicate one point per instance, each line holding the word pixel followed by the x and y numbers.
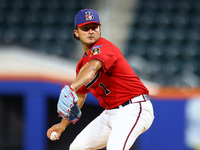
pixel 67 106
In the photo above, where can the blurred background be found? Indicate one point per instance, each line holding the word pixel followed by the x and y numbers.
pixel 159 38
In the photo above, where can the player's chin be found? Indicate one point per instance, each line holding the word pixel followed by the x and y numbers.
pixel 91 41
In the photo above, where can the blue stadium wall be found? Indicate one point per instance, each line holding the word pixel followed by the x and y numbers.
pixel 166 133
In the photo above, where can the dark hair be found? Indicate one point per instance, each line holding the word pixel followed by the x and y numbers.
pixel 77 38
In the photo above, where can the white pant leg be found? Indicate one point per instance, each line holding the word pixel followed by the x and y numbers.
pixel 131 121
pixel 93 136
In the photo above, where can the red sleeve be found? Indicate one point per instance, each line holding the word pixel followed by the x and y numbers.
pixel 105 53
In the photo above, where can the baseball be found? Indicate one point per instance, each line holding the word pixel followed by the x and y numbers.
pixel 53 136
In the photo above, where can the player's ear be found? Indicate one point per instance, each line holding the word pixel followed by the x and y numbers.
pixel 76 33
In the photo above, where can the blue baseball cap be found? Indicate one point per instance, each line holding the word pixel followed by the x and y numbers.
pixel 86 16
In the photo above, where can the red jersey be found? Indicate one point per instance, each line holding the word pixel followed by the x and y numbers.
pixel 116 82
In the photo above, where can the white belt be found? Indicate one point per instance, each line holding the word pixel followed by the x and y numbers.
pixel 140 98
pixel 137 99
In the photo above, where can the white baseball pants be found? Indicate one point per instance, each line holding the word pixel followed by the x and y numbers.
pixel 115 129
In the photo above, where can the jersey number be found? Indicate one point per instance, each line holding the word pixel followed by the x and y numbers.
pixel 105 89
pixel 100 84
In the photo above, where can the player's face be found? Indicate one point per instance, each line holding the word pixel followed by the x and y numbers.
pixel 89 34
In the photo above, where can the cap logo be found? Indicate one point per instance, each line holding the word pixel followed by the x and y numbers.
pixel 89 15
